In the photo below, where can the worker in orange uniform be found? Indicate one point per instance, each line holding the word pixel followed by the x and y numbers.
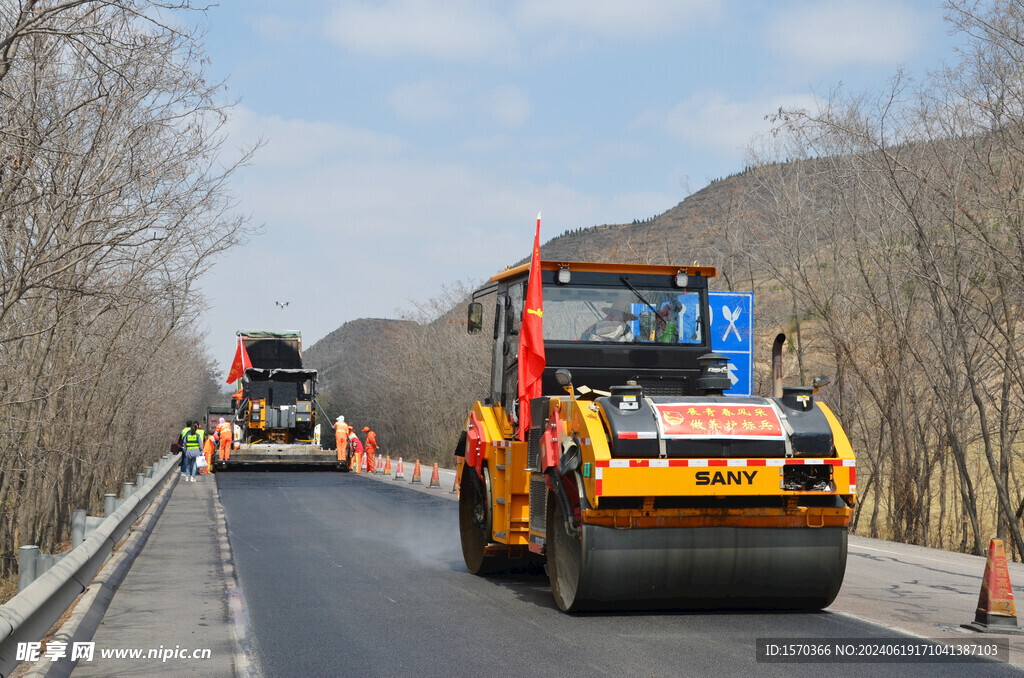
pixel 356 445
pixel 341 431
pixel 225 435
pixel 209 447
pixel 371 449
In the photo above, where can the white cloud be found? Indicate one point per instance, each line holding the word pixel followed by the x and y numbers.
pixel 425 100
pixel 408 200
pixel 429 100
pixel 839 32
pixel 606 158
pixel 465 30
pixel 294 142
pixel 274 28
pixel 452 30
pixel 616 19
pixel 712 120
pixel 508 105
pixel 355 233
pixel 484 145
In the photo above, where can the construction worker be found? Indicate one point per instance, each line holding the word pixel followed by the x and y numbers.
pixel 209 447
pixel 225 434
pixel 193 448
pixel 371 449
pixel 356 446
pixel 181 444
pixel 341 431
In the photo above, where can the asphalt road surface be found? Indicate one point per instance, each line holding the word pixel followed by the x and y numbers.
pixel 348 577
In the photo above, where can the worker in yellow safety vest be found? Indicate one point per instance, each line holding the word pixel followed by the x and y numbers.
pixel 341 431
pixel 193 447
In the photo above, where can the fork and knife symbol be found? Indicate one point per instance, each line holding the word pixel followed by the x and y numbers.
pixel 732 317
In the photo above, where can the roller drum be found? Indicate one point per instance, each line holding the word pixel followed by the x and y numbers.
pixel 697 568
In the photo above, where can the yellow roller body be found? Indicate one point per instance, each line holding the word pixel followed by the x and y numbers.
pixel 679 532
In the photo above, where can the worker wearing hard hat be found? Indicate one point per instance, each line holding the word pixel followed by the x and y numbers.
pixel 371 449
pixel 225 434
pixel 341 431
pixel 356 445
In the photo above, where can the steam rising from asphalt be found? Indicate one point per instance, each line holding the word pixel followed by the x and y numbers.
pixel 434 545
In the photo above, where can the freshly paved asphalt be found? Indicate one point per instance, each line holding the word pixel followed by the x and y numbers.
pixel 345 576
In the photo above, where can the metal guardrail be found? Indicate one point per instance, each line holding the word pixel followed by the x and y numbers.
pixel 29 615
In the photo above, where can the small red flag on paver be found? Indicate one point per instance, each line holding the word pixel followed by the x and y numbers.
pixel 240 364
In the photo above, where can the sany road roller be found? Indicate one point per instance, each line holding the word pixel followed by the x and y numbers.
pixel 640 483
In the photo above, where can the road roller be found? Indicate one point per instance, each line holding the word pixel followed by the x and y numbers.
pixel 640 481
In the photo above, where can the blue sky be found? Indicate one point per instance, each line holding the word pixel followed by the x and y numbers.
pixel 412 143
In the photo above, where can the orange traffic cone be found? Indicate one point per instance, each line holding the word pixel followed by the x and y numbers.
pixel 416 479
pixel 435 478
pixel 365 462
pixel 387 465
pixel 355 466
pixel 380 464
pixel 455 485
pixel 399 475
pixel 996 612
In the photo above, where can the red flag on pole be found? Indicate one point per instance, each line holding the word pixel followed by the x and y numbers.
pixel 240 364
pixel 531 340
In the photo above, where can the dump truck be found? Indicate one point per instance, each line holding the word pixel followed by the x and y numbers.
pixel 214 413
pixel 639 482
pixel 274 408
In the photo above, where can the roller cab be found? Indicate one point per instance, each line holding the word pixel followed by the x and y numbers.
pixel 639 483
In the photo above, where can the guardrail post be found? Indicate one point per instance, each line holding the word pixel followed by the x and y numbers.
pixel 149 471
pixel 139 479
pixel 129 490
pixel 27 566
pixel 109 504
pixel 77 527
pixel 91 523
pixel 44 561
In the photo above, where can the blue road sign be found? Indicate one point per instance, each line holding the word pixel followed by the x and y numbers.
pixel 732 329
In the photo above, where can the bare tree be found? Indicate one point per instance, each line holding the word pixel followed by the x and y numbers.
pixel 114 203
